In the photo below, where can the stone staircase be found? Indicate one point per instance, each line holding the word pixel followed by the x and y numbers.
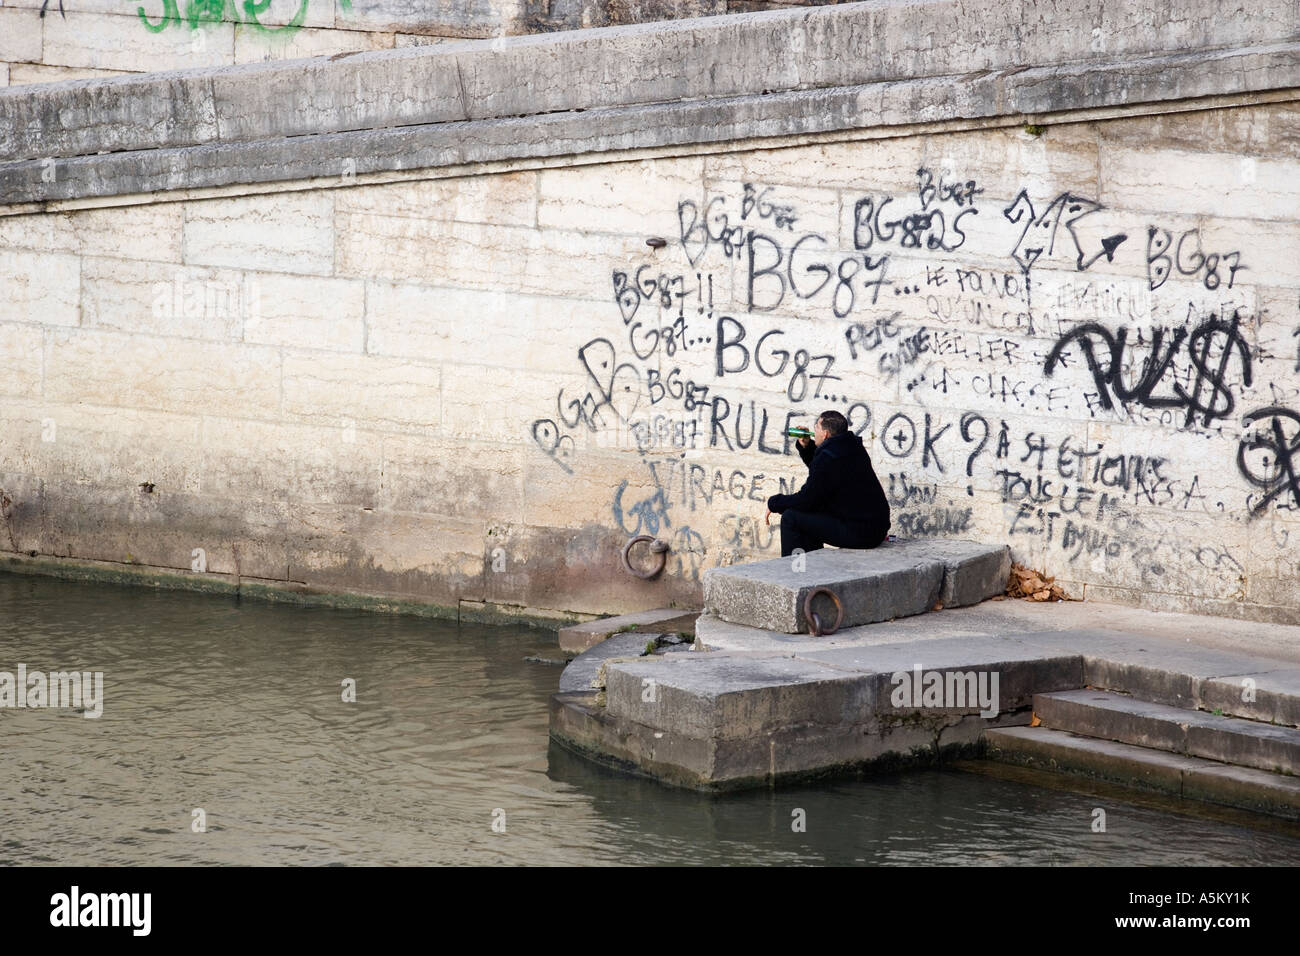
pixel 1193 754
pixel 757 700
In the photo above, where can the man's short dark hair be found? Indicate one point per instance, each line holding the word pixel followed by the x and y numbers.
pixel 834 423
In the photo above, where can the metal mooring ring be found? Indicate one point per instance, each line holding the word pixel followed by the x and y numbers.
pixel 815 622
pixel 657 546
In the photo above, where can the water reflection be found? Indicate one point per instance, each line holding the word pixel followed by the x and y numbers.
pixel 237 709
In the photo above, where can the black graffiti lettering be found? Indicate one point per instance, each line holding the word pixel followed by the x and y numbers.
pixel 850 414
pixel 928 450
pixel 1038 237
pixel 1216 403
pixel 1214 377
pixel 1195 263
pixel 717 420
pixel 967 423
pixel 940 521
pixel 693 234
pixel 813 269
pixel 871 265
pixel 722 343
pixel 782 216
pixel 899 437
pixel 762 443
pixel 758 354
pixel 871 338
pixel 1158 262
pixel 840 304
pixel 651 513
pixel 559 448
pixel 1267 452
pixel 902 493
pixel 772 271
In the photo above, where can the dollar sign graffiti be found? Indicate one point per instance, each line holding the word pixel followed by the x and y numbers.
pixel 1199 348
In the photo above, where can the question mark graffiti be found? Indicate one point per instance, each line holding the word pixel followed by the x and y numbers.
pixel 967 420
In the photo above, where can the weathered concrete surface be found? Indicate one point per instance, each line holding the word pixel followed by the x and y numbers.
pixel 781 711
pixel 1132 720
pixel 712 696
pixel 1276 695
pixel 897 579
pixel 579 637
pixel 1103 624
pixel 780 73
pixel 1158 665
pixel 972 571
pixel 871 585
pixel 1190 777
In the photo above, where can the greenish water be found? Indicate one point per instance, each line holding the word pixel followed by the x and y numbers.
pixel 236 709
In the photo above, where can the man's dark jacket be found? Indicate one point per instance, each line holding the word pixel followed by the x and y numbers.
pixel 841 482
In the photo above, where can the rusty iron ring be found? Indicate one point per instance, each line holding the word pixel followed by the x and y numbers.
pixel 815 622
pixel 657 546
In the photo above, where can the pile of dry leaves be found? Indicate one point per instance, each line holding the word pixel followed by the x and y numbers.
pixel 1034 586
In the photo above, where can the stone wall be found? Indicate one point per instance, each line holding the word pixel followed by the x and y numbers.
pixel 49 40
pixel 1080 336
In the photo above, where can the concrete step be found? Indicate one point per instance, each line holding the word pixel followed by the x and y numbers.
pixel 897 579
pixel 1130 720
pixel 663 620
pixel 1192 778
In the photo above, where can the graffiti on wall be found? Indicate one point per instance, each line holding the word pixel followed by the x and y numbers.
pixel 249 13
pixel 975 350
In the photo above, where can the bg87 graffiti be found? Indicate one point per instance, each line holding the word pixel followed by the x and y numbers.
pixel 1188 259
pixel 772 273
pixel 806 370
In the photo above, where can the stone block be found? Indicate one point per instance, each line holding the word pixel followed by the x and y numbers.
pixel 21 353
pixel 583 674
pixel 39 287
pixel 366 391
pixel 734 697
pixel 580 637
pixel 165 374
pixel 972 572
pixel 1130 720
pixel 115 42
pixel 1243 787
pixel 871 585
pixel 20 36
pixel 285 232
pixel 1121 763
pixel 1272 695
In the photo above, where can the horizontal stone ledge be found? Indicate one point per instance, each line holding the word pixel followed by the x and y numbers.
pixel 1192 778
pixel 820 70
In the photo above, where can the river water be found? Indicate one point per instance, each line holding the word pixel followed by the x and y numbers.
pixel 236 709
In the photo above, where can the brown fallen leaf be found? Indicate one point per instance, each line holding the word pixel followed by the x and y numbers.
pixel 1035 722
pixel 1034 585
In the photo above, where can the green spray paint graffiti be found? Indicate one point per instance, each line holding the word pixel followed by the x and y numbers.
pixel 214 11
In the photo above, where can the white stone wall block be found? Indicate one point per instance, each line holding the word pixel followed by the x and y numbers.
pixel 283 232
pixel 40 288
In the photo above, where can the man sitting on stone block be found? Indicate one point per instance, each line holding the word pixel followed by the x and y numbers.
pixel 841 503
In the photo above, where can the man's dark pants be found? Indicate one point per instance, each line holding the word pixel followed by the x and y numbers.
pixel 813 530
